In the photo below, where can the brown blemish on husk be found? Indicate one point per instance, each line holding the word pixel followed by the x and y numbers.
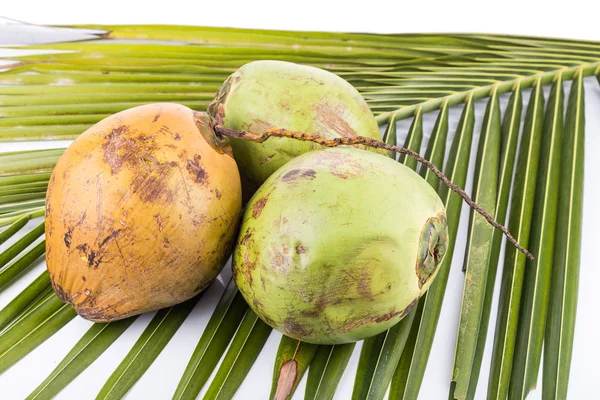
pixel 105 314
pixel 263 283
pixel 151 177
pixel 159 222
pixel 347 169
pixel 409 308
pixel 288 374
pixel 49 195
pixel 382 318
pixel 154 186
pixel 277 259
pixel 78 298
pixel 247 267
pixel 364 286
pixel 245 240
pixel 295 328
pixel 297 174
pixel 95 257
pixel 332 119
pixel 301 249
pixel 290 175
pixel 310 313
pixel 81 218
pixel 119 149
pixel 267 159
pixel 258 126
pixel 68 237
pixel 165 130
pixel 268 320
pixel 321 303
pixel 257 304
pixel 114 234
pixel 60 293
pixel 199 173
pixel 258 207
pixel 157 116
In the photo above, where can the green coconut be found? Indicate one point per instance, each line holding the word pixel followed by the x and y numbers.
pixel 277 94
pixel 338 245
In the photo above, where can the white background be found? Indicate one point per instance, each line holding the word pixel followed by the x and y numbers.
pixel 575 19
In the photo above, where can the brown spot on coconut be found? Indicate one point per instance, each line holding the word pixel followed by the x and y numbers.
pixel 258 207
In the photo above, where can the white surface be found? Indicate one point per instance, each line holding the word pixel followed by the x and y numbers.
pixel 161 379
pixel 575 18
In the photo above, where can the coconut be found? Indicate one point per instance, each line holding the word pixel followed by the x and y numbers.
pixel 338 245
pixel 277 94
pixel 141 212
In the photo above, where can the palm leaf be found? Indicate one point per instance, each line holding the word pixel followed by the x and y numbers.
pixel 152 341
pixel 21 244
pixel 30 213
pixel 514 263
pixel 478 249
pixel 32 329
pixel 380 354
pixel 413 138
pixel 510 136
pixel 40 286
pixel 22 264
pixel 565 275
pixel 292 361
pixel 326 370
pixel 243 351
pixel 13 228
pixel 58 95
pixel 216 337
pixel 95 341
pixel 409 374
pixel 536 281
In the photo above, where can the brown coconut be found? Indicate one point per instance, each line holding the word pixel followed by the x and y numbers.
pixel 141 212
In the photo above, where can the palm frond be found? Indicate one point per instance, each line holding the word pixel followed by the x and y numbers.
pixel 514 264
pixel 536 281
pixel 66 87
pixel 381 354
pixel 407 379
pixel 326 371
pixel 565 275
pixel 510 136
pixel 291 362
pixel 479 243
pixel 95 341
pixel 152 341
pixel 216 337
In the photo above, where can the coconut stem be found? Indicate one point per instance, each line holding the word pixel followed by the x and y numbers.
pixel 344 141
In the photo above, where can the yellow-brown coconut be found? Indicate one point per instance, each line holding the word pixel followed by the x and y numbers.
pixel 141 212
